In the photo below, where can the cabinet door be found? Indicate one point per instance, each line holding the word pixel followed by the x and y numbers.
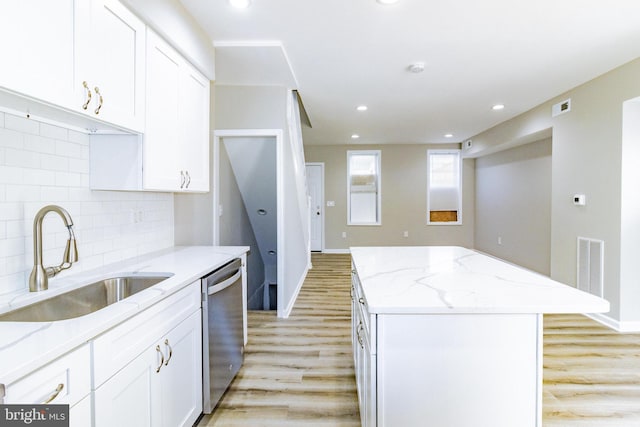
pixel 129 398
pixel 80 414
pixel 38 48
pixel 161 170
pixel 65 380
pixel 181 375
pixel 116 65
pixel 194 126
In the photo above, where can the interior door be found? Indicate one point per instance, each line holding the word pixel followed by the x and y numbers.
pixel 315 183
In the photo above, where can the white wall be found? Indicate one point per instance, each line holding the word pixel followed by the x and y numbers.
pixel 513 203
pixel 630 215
pixel 265 107
pixel 587 159
pixel 42 164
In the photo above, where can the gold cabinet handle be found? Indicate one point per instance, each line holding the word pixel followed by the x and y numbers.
pixel 161 359
pixel 166 343
pixel 86 86
pixel 99 100
pixel 55 394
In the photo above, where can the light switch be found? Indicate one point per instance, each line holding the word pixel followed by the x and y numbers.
pixel 579 199
pixel 331 203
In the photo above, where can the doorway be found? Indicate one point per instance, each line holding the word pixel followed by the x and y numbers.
pixel 315 184
pixel 254 156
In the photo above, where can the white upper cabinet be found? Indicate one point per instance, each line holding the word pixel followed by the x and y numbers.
pixel 162 135
pixel 195 128
pixel 38 48
pixel 173 153
pixel 176 141
pixel 115 67
pixel 84 56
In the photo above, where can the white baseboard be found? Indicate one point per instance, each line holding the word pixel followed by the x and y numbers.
pixel 616 325
pixel 336 251
pixel 287 310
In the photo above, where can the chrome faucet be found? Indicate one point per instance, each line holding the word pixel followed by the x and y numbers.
pixel 39 277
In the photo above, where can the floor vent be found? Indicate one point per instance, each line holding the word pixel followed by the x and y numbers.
pixel 591 266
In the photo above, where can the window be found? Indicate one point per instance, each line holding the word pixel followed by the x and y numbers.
pixel 363 187
pixel 444 187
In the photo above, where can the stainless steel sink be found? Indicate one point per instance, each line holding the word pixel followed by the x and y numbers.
pixel 84 300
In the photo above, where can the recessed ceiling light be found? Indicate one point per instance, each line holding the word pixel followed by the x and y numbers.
pixel 355 136
pixel 388 1
pixel 498 107
pixel 362 108
pixel 448 135
pixel 240 4
pixel 416 67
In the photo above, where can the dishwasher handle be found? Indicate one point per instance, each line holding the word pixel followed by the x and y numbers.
pixel 224 284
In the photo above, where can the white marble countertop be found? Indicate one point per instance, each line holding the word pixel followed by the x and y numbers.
pixel 449 279
pixel 26 346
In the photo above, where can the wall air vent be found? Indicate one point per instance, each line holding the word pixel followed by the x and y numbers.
pixel 591 266
pixel 561 108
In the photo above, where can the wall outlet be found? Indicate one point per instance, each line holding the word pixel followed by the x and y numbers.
pixel 344 234
pixel 331 203
pixel 500 240
pixel 136 216
pixel 405 234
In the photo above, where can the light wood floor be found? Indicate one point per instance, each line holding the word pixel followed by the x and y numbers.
pixel 299 371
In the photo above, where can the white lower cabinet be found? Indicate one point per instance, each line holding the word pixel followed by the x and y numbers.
pixel 66 380
pixel 364 328
pixel 81 414
pixel 148 369
pixel 160 387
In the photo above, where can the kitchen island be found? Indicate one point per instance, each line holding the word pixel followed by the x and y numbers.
pixel 446 336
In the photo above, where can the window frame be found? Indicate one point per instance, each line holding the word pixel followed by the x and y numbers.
pixel 458 153
pixel 378 155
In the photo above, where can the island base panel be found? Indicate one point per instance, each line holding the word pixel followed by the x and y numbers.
pixel 459 370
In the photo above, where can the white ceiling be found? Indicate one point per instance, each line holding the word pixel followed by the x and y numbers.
pixel 343 53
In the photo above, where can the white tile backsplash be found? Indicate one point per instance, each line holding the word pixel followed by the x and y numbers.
pixel 41 164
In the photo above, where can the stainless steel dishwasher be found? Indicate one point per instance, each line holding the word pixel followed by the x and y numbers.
pixel 222 331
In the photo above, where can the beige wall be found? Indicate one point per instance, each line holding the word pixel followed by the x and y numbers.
pixel 513 187
pixel 587 159
pixel 404 203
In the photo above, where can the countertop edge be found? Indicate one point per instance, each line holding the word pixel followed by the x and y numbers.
pixel 100 323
